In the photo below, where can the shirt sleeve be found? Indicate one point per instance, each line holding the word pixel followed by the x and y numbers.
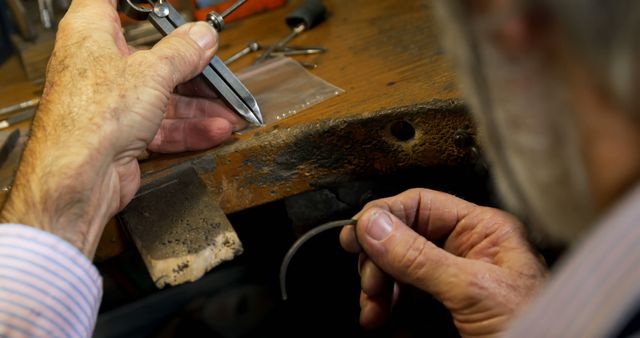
pixel 48 288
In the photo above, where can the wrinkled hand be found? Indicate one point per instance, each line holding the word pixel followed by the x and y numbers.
pixel 483 272
pixel 102 105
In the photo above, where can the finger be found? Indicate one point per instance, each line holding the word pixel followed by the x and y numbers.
pixel 361 258
pixel 405 255
pixel 430 213
pixel 182 107
pixel 190 135
pixel 196 87
pixel 374 311
pixel 348 239
pixel 375 282
pixel 178 57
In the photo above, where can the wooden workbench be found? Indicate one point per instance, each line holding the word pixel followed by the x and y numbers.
pixel 386 56
pixel 400 109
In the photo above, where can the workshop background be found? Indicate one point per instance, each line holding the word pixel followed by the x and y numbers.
pixel 380 113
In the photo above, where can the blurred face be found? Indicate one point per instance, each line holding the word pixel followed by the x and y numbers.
pixel 525 123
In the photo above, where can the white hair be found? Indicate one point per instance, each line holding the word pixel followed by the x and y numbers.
pixel 526 125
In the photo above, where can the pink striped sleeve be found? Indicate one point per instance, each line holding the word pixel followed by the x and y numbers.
pixel 47 287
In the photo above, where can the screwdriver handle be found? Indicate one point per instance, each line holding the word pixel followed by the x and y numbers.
pixel 309 14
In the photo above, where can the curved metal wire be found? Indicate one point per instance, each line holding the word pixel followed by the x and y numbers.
pixel 294 248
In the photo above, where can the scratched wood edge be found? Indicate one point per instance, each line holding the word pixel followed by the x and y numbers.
pixel 279 161
pixel 309 157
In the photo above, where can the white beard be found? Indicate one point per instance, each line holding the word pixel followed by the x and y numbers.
pixel 527 128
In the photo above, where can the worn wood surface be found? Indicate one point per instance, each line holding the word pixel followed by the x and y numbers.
pixel 386 56
pixel 11 73
pixel 14 88
pixel 399 112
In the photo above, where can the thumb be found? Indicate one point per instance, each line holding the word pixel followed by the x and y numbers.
pixel 405 255
pixel 181 55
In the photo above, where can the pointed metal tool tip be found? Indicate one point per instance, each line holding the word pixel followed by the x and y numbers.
pixel 256 112
pixel 255 118
pixel 259 118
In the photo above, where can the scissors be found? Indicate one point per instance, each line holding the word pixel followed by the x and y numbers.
pixel 165 18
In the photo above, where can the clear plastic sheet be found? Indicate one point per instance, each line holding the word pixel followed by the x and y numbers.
pixel 283 88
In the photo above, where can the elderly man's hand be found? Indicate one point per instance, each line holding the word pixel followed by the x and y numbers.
pixel 483 272
pixel 102 106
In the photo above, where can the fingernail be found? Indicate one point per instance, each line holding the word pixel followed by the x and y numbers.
pixel 379 226
pixel 204 35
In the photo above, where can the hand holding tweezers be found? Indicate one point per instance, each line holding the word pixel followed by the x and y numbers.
pixel 166 19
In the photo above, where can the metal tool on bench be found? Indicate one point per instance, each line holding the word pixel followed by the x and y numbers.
pixel 26 29
pixel 305 17
pixel 17 118
pixel 166 19
pixel 8 146
pixel 294 51
pixel 45 7
pixel 5 111
pixel 286 51
pixel 250 48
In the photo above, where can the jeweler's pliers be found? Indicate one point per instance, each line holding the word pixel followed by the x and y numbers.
pixel 166 19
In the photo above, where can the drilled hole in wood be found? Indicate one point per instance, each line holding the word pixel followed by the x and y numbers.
pixel 403 131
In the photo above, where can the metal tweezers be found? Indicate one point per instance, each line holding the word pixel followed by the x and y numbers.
pixel 166 19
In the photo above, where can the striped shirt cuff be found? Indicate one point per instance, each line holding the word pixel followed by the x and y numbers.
pixel 48 288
